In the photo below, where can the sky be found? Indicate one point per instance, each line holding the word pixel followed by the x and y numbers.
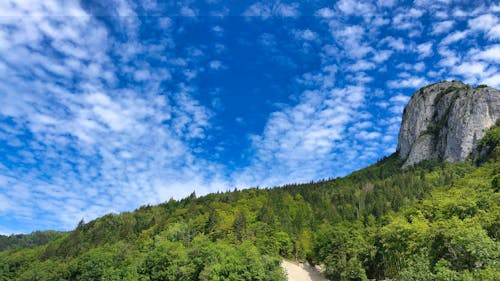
pixel 109 105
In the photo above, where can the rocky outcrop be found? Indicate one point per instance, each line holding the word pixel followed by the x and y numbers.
pixel 444 121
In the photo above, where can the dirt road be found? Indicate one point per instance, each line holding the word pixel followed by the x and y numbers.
pixel 302 272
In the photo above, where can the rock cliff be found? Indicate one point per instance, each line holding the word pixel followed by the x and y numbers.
pixel 444 121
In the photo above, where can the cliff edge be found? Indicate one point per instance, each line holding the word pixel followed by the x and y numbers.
pixel 444 121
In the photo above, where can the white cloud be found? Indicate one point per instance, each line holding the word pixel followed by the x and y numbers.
pixel 418 67
pixel 382 55
pixel 487 23
pixel 306 34
pixel 365 135
pixel 473 71
pixel 351 39
pixel 396 44
pixel 326 122
pixel 258 10
pixel 442 27
pixel 425 49
pixel 142 75
pixel 218 30
pixel 454 37
pixel 396 105
pixel 432 4
pixel 407 19
pixel 266 10
pixel 4 203
pixel 415 13
pixel 493 80
pixel 303 138
pixel 448 57
pixel 326 13
pixel 490 54
pixel 382 104
pixel 113 146
pixel 386 3
pixel 494 32
pixel 400 98
pixel 287 10
pixel 468 68
pixel 188 12
pixel 355 7
pixel 411 82
pixel 495 8
pixel 324 79
pixel 216 65
pixel 362 65
pixel 483 22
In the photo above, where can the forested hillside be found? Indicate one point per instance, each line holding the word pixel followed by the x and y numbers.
pixel 433 221
pixel 37 238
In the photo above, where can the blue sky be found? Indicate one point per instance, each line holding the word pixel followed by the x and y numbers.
pixel 109 105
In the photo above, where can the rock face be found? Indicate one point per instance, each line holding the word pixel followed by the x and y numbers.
pixel 444 121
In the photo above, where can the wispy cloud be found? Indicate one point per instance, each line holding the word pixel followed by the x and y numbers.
pixel 265 10
pixel 442 27
pixel 409 82
pixel 487 23
pixel 114 143
pixel 305 138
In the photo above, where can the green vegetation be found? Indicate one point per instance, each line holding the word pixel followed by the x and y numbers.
pixel 434 221
pixel 443 93
pixel 37 238
pixel 488 148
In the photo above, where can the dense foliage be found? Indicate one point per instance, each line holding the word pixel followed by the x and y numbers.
pixel 36 238
pixel 434 221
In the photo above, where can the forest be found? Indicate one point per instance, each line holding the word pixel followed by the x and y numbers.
pixel 432 221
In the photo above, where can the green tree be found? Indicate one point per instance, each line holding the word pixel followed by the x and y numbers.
pixel 168 261
pixel 341 248
pixel 240 225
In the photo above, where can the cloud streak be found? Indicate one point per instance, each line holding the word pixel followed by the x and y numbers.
pixel 83 141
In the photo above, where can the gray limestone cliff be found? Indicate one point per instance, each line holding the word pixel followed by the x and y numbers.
pixel 444 121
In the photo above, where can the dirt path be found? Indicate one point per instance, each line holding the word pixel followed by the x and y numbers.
pixel 302 272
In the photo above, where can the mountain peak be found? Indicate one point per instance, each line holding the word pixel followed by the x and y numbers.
pixel 445 120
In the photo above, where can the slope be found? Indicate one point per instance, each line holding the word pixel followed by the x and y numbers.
pixel 433 221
